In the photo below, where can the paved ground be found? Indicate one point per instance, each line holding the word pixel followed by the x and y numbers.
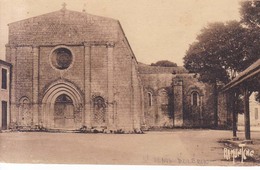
pixel 252 128
pixel 176 147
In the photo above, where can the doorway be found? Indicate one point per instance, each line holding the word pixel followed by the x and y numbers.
pixel 64 112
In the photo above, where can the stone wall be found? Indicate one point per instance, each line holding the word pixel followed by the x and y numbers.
pixel 159 112
pixel 127 85
pixel 48 74
pixel 171 96
pixel 224 110
pixel 202 114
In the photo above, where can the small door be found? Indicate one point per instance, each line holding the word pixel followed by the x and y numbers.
pixel 4 115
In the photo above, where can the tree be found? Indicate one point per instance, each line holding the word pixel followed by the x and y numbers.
pixel 164 63
pixel 217 54
pixel 250 13
pixel 222 50
pixel 222 47
pixel 250 19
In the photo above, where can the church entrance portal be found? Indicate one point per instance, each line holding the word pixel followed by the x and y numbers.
pixel 62 107
pixel 64 112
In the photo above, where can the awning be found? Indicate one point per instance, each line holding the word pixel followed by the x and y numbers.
pixel 249 73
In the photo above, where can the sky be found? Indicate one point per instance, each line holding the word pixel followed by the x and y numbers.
pixel 156 29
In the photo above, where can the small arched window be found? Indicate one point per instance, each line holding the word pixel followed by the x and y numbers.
pixel 195 98
pixel 24 100
pixel 150 99
pixel 163 96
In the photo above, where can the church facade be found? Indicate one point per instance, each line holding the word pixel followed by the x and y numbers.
pixel 73 70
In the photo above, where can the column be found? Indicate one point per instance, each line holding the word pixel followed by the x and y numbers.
pixel 87 83
pixel 110 84
pixel 35 90
pixel 178 102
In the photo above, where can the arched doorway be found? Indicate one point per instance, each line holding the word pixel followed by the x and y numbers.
pixel 64 112
pixel 62 107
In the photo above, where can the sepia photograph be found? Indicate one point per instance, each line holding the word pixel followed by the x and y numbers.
pixel 168 83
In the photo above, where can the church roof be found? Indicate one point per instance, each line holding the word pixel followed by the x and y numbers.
pixel 147 69
pixel 63 26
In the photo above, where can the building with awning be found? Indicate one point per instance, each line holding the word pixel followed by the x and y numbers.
pixel 245 83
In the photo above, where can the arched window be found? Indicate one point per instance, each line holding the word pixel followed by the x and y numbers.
pixel 195 98
pixel 150 99
pixel 24 101
pixel 163 96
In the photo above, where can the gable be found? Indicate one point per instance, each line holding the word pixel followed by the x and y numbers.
pixel 63 27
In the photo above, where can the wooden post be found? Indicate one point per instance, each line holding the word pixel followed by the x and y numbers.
pixel 246 113
pixel 234 106
pixel 215 107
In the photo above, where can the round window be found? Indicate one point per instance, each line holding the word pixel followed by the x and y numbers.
pixel 61 58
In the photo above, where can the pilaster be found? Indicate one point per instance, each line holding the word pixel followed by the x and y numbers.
pixel 178 102
pixel 13 60
pixel 87 83
pixel 110 84
pixel 35 90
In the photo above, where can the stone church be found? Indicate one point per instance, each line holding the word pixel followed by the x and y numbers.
pixel 72 70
